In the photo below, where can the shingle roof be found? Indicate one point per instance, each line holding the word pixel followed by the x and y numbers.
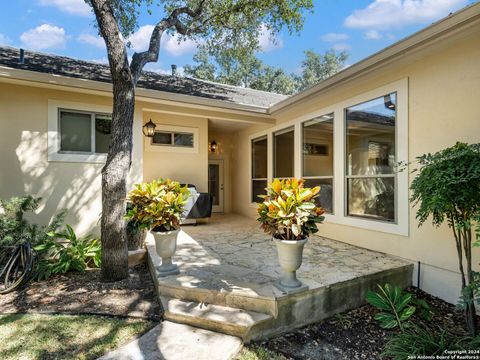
pixel 65 66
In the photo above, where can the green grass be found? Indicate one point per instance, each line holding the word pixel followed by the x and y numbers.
pixel 29 336
pixel 258 353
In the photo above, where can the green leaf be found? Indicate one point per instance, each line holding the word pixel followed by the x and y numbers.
pixel 387 320
pixel 377 301
pixel 407 313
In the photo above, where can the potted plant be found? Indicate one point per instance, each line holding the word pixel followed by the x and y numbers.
pixel 290 215
pixel 157 206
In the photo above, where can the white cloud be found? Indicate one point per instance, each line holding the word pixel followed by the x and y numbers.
pixel 387 14
pixel 44 36
pixel 4 40
pixel 74 7
pixel 334 37
pixel 372 35
pixel 341 47
pixel 93 40
pixel 173 47
pixel 268 41
pixel 140 41
pixel 102 60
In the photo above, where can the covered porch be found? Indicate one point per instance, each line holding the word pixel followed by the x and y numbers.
pixel 228 267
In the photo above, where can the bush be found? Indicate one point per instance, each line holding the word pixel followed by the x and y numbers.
pixel 63 252
pixel 288 211
pixel 157 205
pixel 416 341
pixel 15 229
pixel 447 189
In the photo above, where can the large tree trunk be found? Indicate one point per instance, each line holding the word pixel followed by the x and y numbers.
pixel 114 187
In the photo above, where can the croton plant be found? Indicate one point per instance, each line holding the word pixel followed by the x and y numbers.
pixel 157 205
pixel 288 211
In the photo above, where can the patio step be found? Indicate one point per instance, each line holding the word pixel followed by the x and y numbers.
pixel 223 319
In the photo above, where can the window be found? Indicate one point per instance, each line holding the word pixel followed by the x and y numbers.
pixel 371 158
pixel 317 158
pixel 173 139
pixel 259 167
pixel 283 153
pixel 84 132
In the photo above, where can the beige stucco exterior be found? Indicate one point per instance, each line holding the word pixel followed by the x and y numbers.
pixel 438 80
pixel 443 86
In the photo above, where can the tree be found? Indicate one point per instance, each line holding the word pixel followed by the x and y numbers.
pixel 318 67
pixel 222 23
pixel 447 188
pixel 245 69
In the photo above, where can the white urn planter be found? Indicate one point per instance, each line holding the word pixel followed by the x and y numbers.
pixel 290 254
pixel 166 245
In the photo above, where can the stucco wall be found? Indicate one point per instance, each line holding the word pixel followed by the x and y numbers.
pixel 24 168
pixel 443 89
pixel 191 168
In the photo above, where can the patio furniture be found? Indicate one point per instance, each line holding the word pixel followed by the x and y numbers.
pixel 199 206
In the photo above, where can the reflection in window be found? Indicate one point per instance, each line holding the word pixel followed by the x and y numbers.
pixel 259 167
pixel 84 132
pixel 371 157
pixel 176 139
pixel 283 153
pixel 318 158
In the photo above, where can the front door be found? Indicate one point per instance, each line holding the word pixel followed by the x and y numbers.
pixel 215 183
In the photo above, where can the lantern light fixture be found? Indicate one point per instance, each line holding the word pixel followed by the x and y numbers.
pixel 149 129
pixel 213 146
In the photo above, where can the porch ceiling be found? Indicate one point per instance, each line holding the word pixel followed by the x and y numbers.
pixel 226 126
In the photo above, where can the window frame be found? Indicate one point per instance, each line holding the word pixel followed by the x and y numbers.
pixel 173 129
pixel 54 152
pixel 373 176
pixel 251 163
pixel 331 150
pixel 276 133
pixel 401 227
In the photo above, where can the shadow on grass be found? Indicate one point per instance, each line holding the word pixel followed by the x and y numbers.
pixel 65 336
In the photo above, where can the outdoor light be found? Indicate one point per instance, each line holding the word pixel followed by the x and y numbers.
pixel 149 128
pixel 213 146
pixel 387 100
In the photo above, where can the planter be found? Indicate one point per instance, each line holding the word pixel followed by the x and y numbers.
pixel 166 244
pixel 135 237
pixel 290 253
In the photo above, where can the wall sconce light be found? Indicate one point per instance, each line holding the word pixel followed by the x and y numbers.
pixel 213 146
pixel 149 129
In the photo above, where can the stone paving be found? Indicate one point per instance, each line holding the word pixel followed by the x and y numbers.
pixel 230 253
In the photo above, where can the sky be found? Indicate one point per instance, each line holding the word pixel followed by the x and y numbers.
pixel 360 27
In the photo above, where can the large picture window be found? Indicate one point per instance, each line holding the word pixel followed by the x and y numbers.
pixel 84 132
pixel 371 158
pixel 317 158
pixel 283 153
pixel 259 167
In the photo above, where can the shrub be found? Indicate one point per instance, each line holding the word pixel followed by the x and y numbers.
pixel 417 341
pixel 15 229
pixel 288 211
pixel 157 205
pixel 63 252
pixel 447 188
pixel 395 305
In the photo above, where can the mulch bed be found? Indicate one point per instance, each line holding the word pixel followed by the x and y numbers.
pixel 77 293
pixel 356 334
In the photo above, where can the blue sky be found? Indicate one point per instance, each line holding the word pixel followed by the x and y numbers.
pixel 361 27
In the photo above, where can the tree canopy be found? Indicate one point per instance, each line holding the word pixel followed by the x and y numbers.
pixel 245 69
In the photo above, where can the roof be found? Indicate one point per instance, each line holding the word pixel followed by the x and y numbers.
pixel 80 69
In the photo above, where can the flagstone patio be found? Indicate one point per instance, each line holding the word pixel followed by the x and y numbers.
pixel 228 267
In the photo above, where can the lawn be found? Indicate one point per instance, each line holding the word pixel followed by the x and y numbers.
pixel 33 336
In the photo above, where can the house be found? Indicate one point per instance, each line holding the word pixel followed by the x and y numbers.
pixel 346 134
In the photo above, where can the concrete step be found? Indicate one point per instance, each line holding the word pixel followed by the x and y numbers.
pixel 226 320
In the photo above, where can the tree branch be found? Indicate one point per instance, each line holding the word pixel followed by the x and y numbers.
pixel 172 21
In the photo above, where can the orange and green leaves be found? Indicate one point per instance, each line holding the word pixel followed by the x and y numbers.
pixel 288 211
pixel 157 204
